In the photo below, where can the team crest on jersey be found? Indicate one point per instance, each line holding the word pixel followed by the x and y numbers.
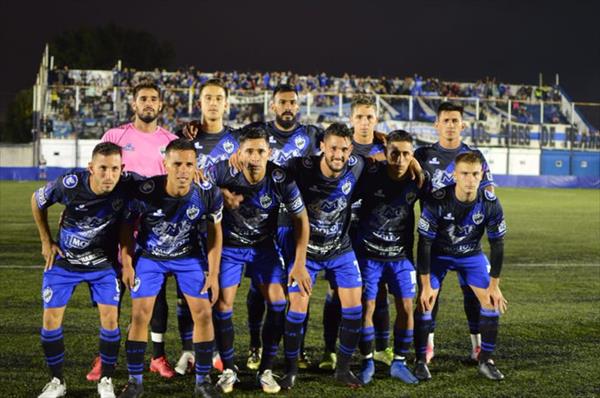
pixel 300 142
pixel 489 195
pixel 70 181
pixel 228 146
pixel 136 284
pixel 192 212
pixel 307 162
pixel 206 185
pixel 47 294
pixel 411 197
pixel 352 160
pixel 147 187
pixel 477 218
pixel 439 194
pixel 266 201
pixel 278 175
pixel 163 150
pixel 347 187
pixel 117 204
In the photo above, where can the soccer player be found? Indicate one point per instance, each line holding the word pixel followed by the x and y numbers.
pixel 363 118
pixel 144 143
pixel 327 183
pixel 384 244
pixel 249 232
pixel 438 161
pixel 213 142
pixel 450 229
pixel 170 209
pixel 288 139
pixel 86 251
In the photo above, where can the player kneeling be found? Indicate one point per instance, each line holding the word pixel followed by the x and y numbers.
pixel 450 229
pixel 86 251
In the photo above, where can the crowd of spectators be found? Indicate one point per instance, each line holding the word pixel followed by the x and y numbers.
pixel 90 100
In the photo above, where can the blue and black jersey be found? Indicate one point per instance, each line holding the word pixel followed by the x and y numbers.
pixel 255 221
pixel 367 150
pixel 212 148
pixel 386 220
pixel 439 163
pixel 285 145
pixel 328 203
pixel 456 228
pixel 169 225
pixel 88 231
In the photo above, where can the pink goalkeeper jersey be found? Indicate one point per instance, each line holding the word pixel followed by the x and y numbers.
pixel 143 153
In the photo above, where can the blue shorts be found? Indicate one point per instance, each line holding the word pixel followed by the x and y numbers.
pixel 286 245
pixel 474 270
pixel 59 284
pixel 150 274
pixel 263 265
pixel 341 271
pixel 400 276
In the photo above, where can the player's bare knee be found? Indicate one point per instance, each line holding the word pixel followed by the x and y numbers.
pixel 108 317
pixel 52 319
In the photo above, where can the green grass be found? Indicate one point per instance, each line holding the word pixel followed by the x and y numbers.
pixel 549 340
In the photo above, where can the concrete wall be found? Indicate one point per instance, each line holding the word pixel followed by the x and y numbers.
pixel 16 155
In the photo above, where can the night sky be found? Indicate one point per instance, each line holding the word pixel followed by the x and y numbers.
pixel 458 40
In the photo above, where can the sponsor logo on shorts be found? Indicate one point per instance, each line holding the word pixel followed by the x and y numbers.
pixel 136 284
pixel 47 294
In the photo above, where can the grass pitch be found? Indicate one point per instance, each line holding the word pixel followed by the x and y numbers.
pixel 549 340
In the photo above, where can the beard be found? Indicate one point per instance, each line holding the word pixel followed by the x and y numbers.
pixel 286 124
pixel 147 117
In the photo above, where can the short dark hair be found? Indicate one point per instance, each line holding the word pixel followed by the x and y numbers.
pixel 284 88
pixel 214 82
pixel 180 144
pixel 468 157
pixel 339 130
pixel 399 136
pixel 146 84
pixel 449 107
pixel 251 132
pixel 107 148
pixel 362 100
